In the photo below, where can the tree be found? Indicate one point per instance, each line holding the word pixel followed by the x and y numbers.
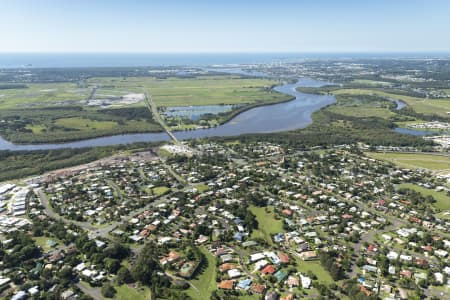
pixel 117 251
pixel 124 276
pixel 108 291
pixel 146 267
pixel 112 265
pixel 66 274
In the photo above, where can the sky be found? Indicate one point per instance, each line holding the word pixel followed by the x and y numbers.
pixel 300 26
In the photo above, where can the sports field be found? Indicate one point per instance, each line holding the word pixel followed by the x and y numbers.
pixel 415 160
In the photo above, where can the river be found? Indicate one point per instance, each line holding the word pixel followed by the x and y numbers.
pixel 284 116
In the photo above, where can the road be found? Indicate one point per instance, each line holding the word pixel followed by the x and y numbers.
pixel 93 292
pixel 154 111
pixel 51 213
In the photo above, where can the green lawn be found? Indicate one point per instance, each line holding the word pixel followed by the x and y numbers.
pixel 206 281
pixel 414 160
pixel 43 242
pixel 124 292
pixel 315 267
pixel 442 200
pixel 202 188
pixel 160 190
pixel 267 224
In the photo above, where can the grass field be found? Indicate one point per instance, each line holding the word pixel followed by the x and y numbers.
pixel 206 281
pixel 42 94
pixel 204 90
pixel 83 124
pixel 124 292
pixel 415 160
pixel 421 105
pixel 361 107
pixel 160 190
pixel 267 224
pixel 316 268
pixel 202 188
pixel 442 200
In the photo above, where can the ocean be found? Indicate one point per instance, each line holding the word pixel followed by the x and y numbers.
pixel 78 60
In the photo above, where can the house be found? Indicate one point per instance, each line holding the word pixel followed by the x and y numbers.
pixel 33 290
pixel 226 284
pixel 369 268
pixel 293 281
pixel 441 253
pixel 278 238
pixel 306 281
pixel 271 296
pixel 284 258
pixel 4 281
pixel 256 257
pixel 280 275
pixel 365 290
pixel 406 273
pixel 391 270
pixel 372 248
pixel 238 236
pixel 273 257
pixel 270 269
pixel 19 295
pixel 226 267
pixel 308 255
pixel 392 255
pixel 258 288
pixel 405 257
pixel 439 277
pixel 261 264
pixel 244 284
pixel 234 273
pixel 226 258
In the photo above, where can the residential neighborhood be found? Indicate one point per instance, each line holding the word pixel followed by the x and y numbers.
pixel 238 220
